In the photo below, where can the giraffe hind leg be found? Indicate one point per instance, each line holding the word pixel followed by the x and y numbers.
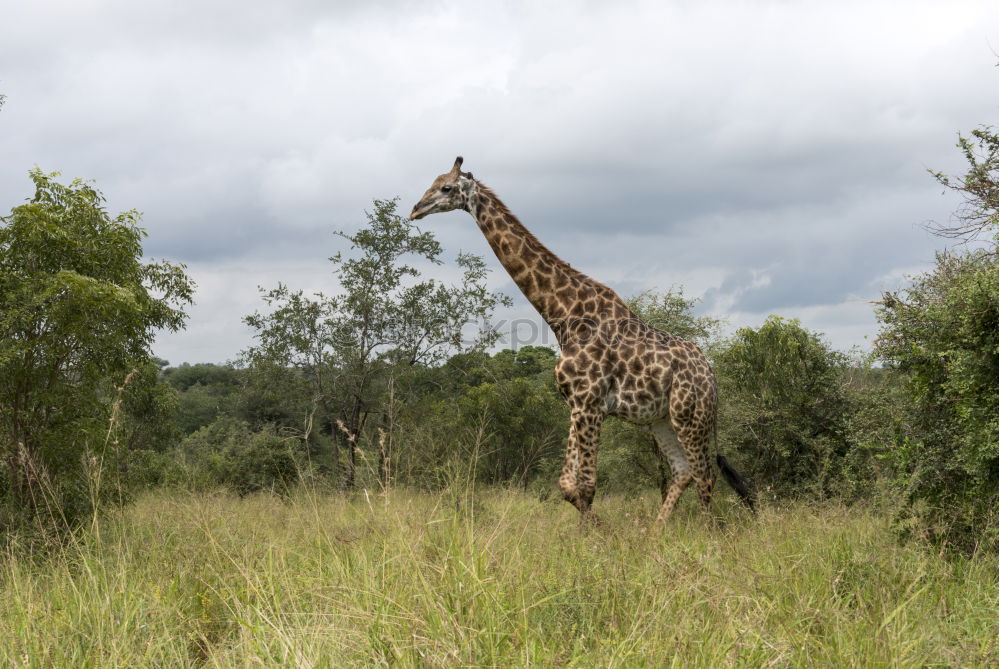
pixel 694 441
pixel 669 445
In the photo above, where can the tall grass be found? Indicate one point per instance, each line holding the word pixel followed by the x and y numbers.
pixel 499 579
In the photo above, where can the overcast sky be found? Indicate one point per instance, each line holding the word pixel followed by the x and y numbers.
pixel 769 157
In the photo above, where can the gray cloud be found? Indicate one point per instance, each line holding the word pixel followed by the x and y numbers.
pixel 767 156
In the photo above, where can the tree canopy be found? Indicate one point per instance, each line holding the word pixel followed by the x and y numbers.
pixel 78 312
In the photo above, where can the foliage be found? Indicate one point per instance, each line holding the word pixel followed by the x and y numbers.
pixel 149 410
pixel 525 423
pixel 228 453
pixel 941 333
pixel 498 416
pixel 225 378
pixel 978 188
pixel 673 313
pixel 875 423
pixel 206 391
pixel 783 407
pixel 78 311
pixel 351 347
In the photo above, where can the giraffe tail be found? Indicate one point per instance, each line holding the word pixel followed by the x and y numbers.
pixel 737 482
pixel 733 478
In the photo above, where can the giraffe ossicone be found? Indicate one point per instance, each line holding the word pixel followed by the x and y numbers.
pixel 610 362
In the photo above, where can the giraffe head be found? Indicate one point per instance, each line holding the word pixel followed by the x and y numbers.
pixel 451 190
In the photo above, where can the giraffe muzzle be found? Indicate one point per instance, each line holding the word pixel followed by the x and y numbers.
pixel 417 214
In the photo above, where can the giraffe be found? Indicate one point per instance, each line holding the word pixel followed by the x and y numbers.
pixel 610 362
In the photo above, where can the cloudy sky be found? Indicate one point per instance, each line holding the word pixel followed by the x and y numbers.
pixel 768 156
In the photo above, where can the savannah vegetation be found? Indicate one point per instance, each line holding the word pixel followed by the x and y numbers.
pixel 372 482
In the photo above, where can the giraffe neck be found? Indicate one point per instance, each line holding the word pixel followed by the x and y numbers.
pixel 558 292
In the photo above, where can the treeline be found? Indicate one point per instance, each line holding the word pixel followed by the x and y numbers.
pixel 388 381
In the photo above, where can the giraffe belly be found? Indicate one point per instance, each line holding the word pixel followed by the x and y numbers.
pixel 640 406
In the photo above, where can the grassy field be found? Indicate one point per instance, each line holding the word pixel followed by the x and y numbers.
pixel 429 580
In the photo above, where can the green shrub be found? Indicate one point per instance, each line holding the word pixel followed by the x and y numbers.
pixel 227 453
pixel 941 332
pixel 525 426
pixel 783 408
pixel 78 311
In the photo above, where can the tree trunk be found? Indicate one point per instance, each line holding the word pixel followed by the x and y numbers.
pixel 385 437
pixel 353 423
pixel 384 449
pixel 331 425
pixel 27 477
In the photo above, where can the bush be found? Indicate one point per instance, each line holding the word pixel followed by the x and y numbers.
pixel 229 454
pixel 941 332
pixel 525 428
pixel 148 468
pixel 78 312
pixel 876 422
pixel 783 408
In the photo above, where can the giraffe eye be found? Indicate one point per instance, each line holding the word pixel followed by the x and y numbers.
pixel 445 189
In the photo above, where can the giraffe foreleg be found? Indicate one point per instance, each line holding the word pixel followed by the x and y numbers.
pixel 570 469
pixel 578 481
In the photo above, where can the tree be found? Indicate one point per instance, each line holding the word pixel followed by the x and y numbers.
pixel 149 410
pixel 978 188
pixel 672 312
pixel 783 407
pixel 525 425
pixel 386 321
pixel 941 333
pixel 78 312
pixel 205 391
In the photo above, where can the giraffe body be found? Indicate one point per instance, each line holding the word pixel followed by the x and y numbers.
pixel 610 363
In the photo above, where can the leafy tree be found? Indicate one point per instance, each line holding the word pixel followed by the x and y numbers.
pixel 275 394
pixel 499 417
pixel 208 375
pixel 531 361
pixel 525 426
pixel 78 312
pixel 941 333
pixel 875 424
pixel 149 410
pixel 672 312
pixel 977 214
pixel 204 392
pixel 386 322
pixel 783 407
pixel 471 369
pixel 513 396
pixel 229 453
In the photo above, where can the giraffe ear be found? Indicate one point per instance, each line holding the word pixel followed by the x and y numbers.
pixel 457 165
